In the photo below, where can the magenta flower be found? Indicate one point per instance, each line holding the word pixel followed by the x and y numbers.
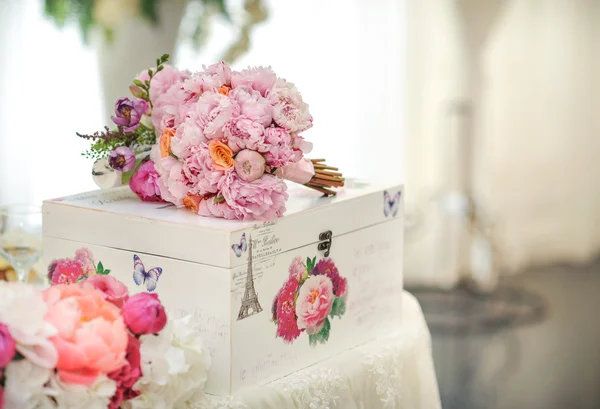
pixel 250 165
pixel 144 183
pixel 327 268
pixel 144 314
pixel 8 347
pixel 128 113
pixel 65 271
pixel 122 159
pixel 287 324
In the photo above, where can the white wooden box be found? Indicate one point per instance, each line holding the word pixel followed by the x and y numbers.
pixel 204 271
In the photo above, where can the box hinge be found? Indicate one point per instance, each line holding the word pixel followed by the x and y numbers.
pixel 325 239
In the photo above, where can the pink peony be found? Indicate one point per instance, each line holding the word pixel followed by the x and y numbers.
pixel 66 271
pixel 245 133
pixel 252 104
pixel 249 165
pixel 188 134
pixel 127 375
pixel 297 268
pixel 144 314
pixel 327 268
pixel 289 111
pixel 85 256
pixel 144 183
pixel 280 151
pixel 314 303
pixel 259 78
pixel 172 182
pixel 198 169
pixel 213 77
pixel 8 347
pixel 91 339
pixel 214 111
pixel 287 325
pixel 163 81
pixel 209 208
pixel 263 199
pixel 171 109
pixel 113 291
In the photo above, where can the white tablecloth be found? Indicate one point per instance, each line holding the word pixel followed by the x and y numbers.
pixel 395 372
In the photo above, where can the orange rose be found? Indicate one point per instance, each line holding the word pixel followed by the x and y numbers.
pixel 192 202
pixel 224 90
pixel 221 155
pixel 165 142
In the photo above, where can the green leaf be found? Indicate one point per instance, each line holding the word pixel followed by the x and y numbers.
pixel 339 307
pixel 106 272
pixel 148 10
pixel 100 268
pixel 322 336
pixel 138 83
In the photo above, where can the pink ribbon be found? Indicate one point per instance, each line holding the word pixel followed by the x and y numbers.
pixel 299 172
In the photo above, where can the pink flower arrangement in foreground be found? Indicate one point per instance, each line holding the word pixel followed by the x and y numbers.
pixel 311 296
pixel 90 344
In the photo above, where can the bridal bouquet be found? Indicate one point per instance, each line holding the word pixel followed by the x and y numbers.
pixel 220 142
pixel 91 345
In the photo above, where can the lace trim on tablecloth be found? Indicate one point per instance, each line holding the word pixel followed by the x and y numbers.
pixel 321 389
pixel 222 402
pixel 385 365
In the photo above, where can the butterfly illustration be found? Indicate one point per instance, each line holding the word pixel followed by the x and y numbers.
pixel 390 204
pixel 140 276
pixel 238 249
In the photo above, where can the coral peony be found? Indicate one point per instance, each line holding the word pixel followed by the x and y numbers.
pixel 314 303
pixel 214 112
pixel 91 339
pixel 249 165
pixel 281 151
pixel 113 290
pixel 259 78
pixel 287 325
pixel 127 375
pixel 289 111
pixel 252 104
pixel 245 133
pixel 327 268
pixel 144 314
pixel 144 183
pixel 198 169
pixel 66 271
pixel 8 348
pixel 263 199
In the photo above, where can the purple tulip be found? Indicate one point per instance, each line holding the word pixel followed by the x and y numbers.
pixel 128 113
pixel 122 159
pixel 7 346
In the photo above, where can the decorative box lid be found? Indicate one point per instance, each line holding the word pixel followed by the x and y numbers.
pixel 117 218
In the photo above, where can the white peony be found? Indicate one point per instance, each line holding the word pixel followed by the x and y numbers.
pixel 174 366
pixel 94 396
pixel 26 386
pixel 22 309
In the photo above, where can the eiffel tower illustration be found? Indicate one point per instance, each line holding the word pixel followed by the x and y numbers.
pixel 250 304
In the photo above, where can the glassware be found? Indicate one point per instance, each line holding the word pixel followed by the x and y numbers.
pixel 21 237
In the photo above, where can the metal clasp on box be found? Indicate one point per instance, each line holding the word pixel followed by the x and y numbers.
pixel 325 242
